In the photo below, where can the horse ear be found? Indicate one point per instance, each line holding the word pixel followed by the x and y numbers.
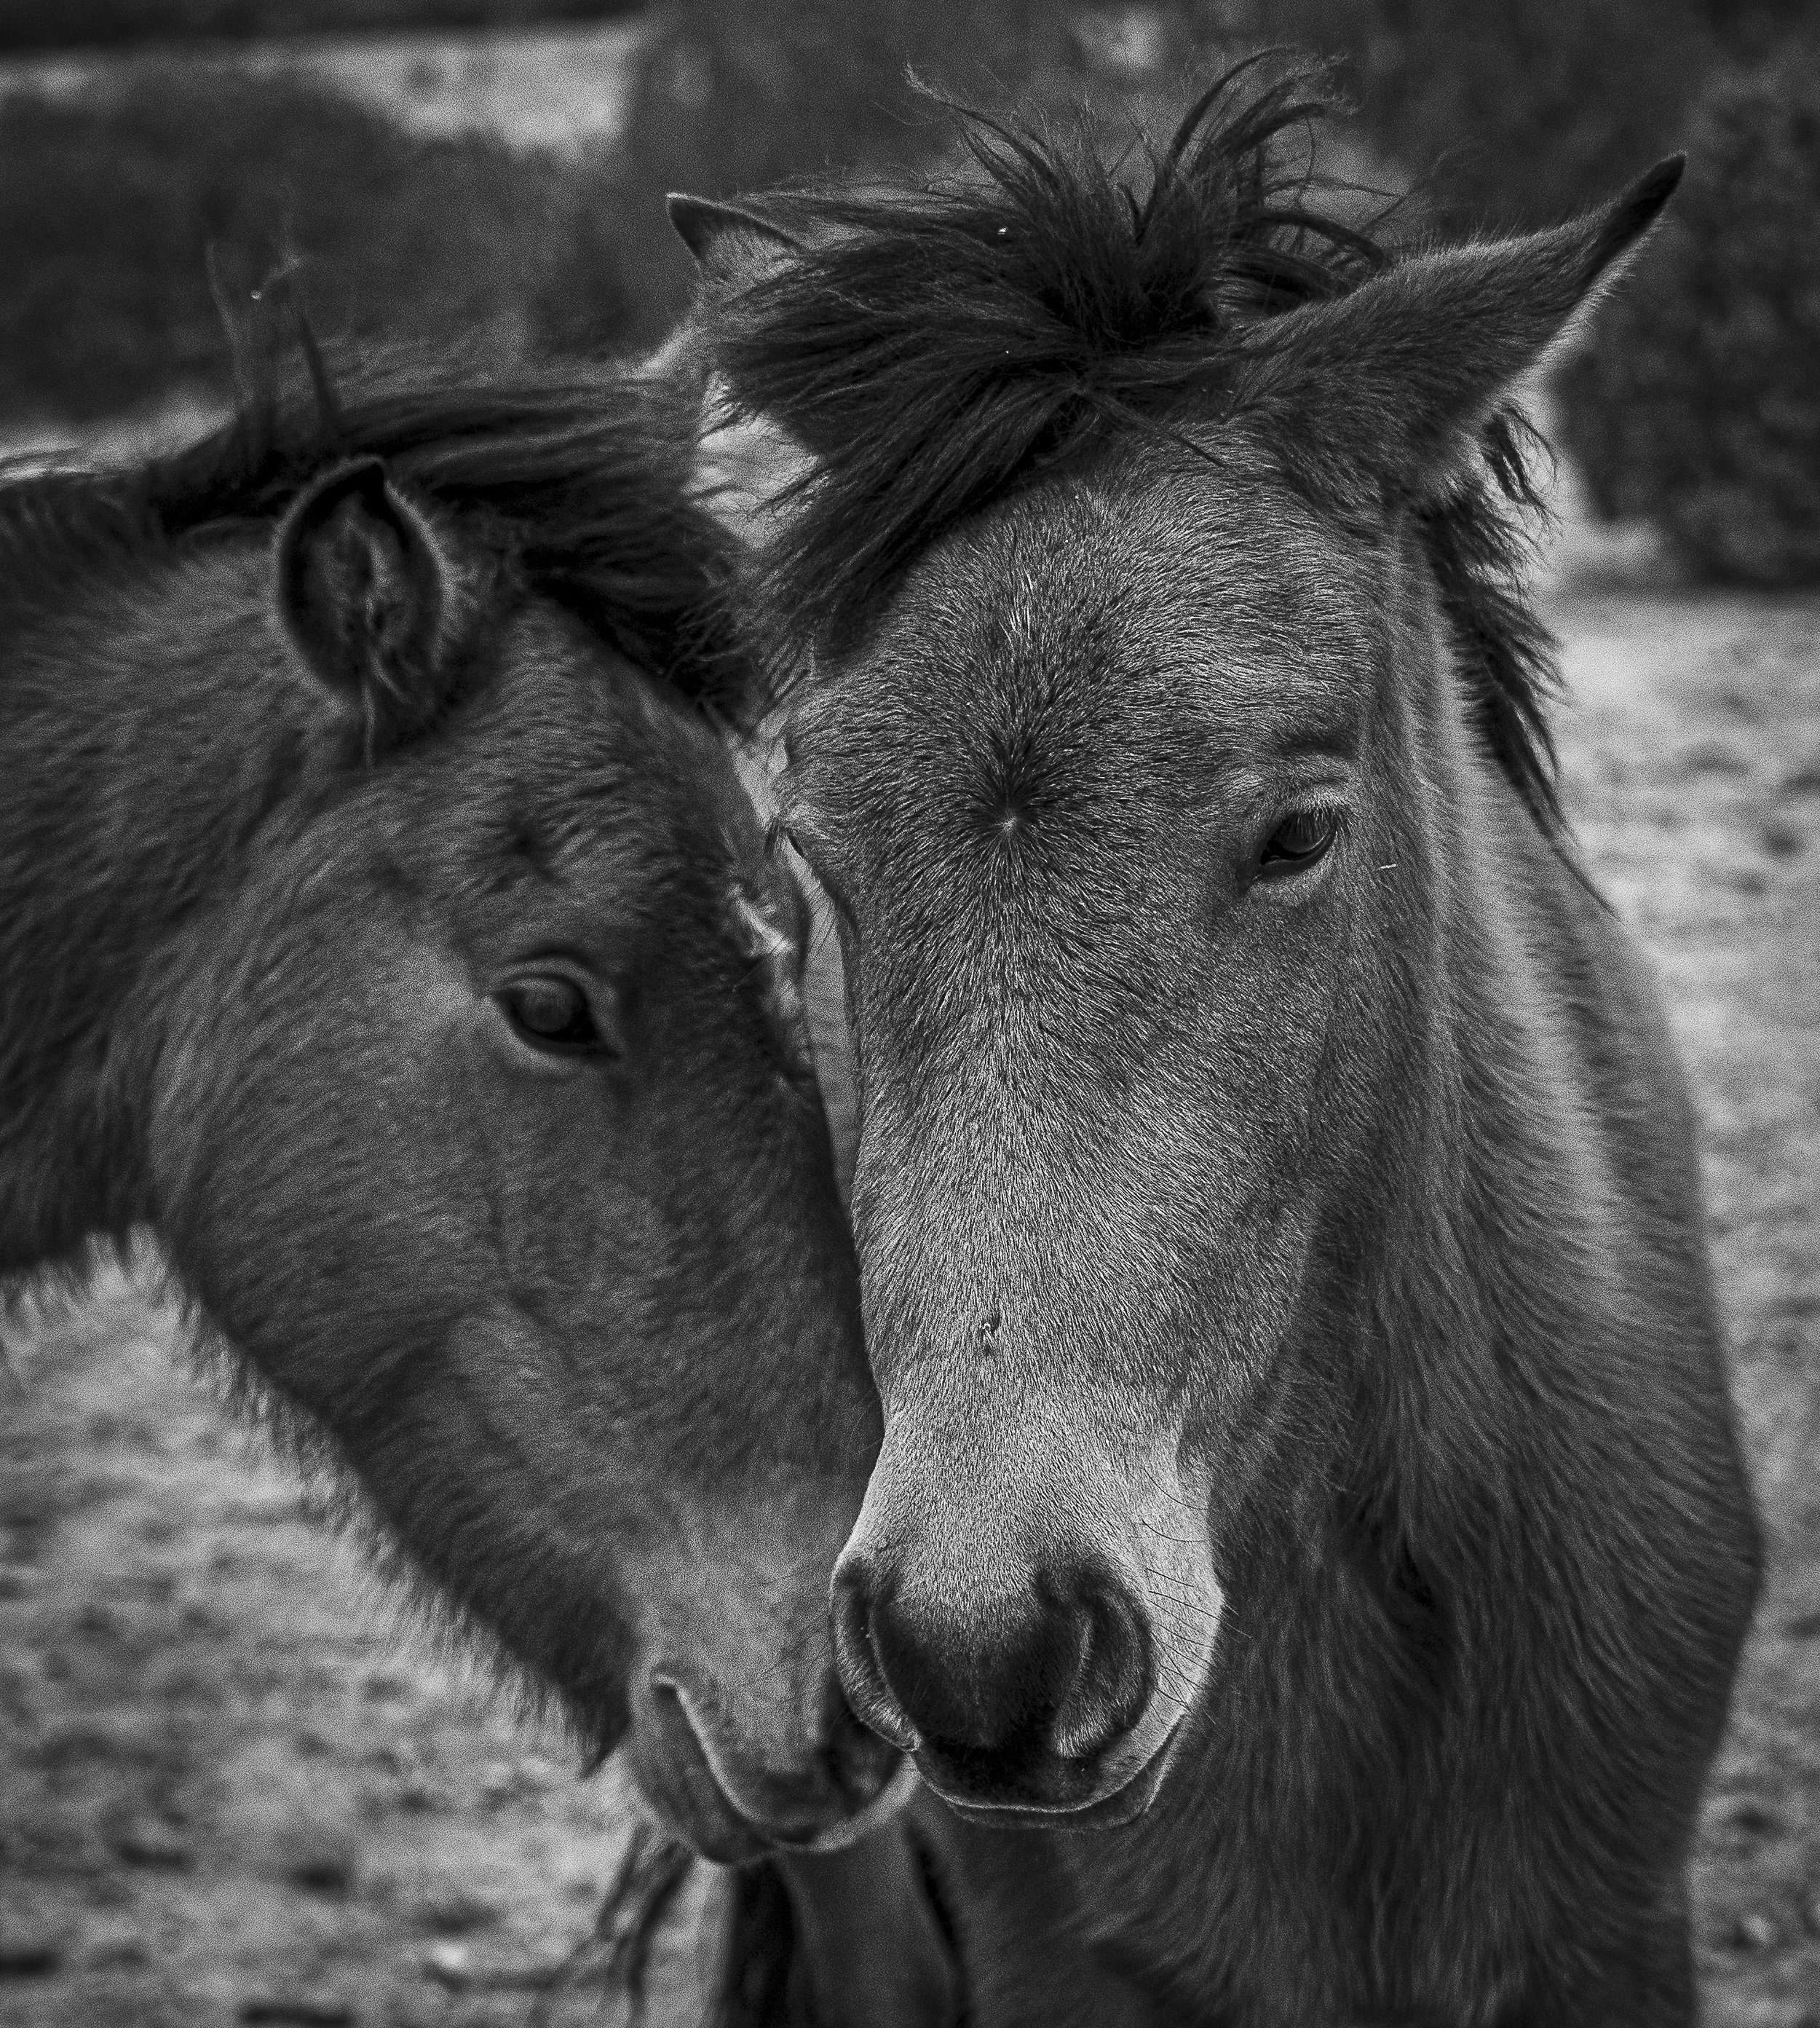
pixel 733 247
pixel 370 598
pixel 745 465
pixel 1402 372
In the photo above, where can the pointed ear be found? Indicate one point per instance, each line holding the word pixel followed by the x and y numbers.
pixel 744 465
pixel 733 247
pixel 372 600
pixel 1399 375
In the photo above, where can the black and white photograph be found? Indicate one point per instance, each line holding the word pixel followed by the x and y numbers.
pixel 910 1014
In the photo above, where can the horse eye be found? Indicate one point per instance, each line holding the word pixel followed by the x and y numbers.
pixel 551 1013
pixel 1297 843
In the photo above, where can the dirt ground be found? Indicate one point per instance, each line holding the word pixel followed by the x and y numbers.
pixel 232 1790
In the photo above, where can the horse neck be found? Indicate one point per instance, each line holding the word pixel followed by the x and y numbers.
pixel 141 740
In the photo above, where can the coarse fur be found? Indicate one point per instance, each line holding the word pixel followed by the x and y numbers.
pixel 384 929
pixel 1309 1550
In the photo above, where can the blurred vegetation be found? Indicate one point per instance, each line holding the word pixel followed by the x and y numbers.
pixel 1697 404
pixel 1502 111
pixel 735 94
pixel 31 25
pixel 108 206
pixel 1509 112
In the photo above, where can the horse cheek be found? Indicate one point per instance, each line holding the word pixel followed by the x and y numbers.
pixel 305 1185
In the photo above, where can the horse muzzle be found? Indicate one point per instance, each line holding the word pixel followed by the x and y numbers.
pixel 1040 1701
pixel 732 1801
pixel 1032 1630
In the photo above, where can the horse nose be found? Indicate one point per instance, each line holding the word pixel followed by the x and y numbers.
pixel 1057 1668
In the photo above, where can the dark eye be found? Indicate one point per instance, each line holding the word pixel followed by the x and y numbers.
pixel 1297 843
pixel 551 1012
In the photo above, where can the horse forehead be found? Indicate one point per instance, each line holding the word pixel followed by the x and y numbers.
pixel 1180 619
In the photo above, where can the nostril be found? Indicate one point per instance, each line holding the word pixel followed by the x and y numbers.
pixel 668 1702
pixel 1058 1669
pixel 677 1719
pixel 1114 1675
pixel 856 1657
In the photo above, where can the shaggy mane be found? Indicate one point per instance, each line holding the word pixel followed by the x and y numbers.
pixel 578 485
pixel 934 348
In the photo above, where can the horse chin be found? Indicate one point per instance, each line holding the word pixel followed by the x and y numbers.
pixel 706 1821
pixel 1107 1810
pixel 848 1830
pixel 733 1813
pixel 686 1799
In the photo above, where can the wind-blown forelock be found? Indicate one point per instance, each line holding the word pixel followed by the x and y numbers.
pixel 935 348
pixel 579 484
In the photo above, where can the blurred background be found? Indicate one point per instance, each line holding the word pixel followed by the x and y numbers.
pixel 489 174
pixel 231 1790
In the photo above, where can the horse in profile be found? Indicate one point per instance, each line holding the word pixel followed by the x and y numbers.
pixel 1309 1550
pixel 382 925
